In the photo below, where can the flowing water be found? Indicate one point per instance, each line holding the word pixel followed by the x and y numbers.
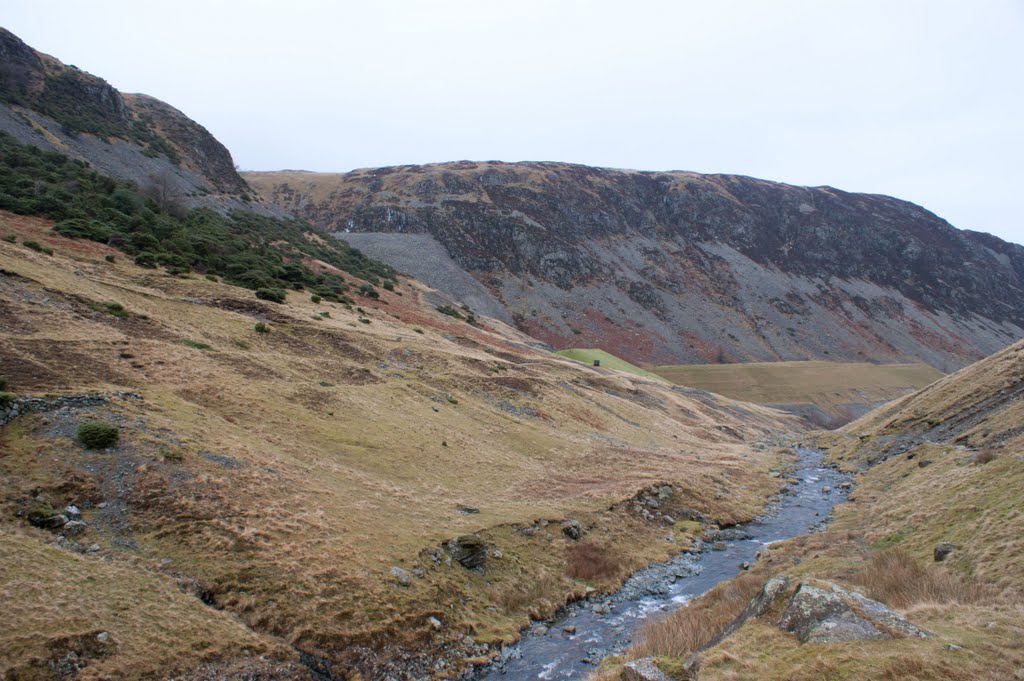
pixel 550 651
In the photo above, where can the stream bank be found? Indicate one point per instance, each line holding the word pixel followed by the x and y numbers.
pixel 573 644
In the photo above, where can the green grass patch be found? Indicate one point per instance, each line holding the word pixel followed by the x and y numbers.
pixel 197 345
pixel 608 361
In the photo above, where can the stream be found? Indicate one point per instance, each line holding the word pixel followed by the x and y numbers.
pixel 571 646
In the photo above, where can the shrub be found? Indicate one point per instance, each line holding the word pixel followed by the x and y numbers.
pixel 895 578
pixel 364 320
pixel 388 285
pixel 5 399
pixel 116 309
pixel 197 345
pixel 261 328
pixel 109 258
pixel 274 295
pixel 37 247
pixel 146 259
pixel 172 455
pixel 3 383
pixel 315 299
pixel 11 238
pixel 593 563
pixel 97 435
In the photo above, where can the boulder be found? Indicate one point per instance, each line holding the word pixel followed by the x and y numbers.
pixel 73 528
pixel 470 550
pixel 943 550
pixel 572 529
pixel 53 522
pixel 823 612
pixel 643 669
pixel 401 576
pixel 434 623
pixel 73 513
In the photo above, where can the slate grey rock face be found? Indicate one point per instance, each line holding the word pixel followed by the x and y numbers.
pixel 711 267
pixel 469 550
pixel 823 612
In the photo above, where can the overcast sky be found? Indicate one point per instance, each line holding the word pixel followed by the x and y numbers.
pixel 923 100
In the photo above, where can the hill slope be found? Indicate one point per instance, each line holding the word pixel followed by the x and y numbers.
pixel 932 529
pixel 677 268
pixel 131 137
pixel 279 477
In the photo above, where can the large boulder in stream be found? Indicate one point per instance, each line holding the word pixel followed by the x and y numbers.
pixel 823 612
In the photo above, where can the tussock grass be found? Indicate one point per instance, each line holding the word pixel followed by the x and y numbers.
pixel 691 628
pixel 894 577
pixel 593 563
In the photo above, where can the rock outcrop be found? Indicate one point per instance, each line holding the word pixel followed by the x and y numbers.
pixel 823 612
pixel 677 267
pixel 132 137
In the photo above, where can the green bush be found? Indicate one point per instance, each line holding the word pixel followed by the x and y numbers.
pixel 261 328
pixel 243 249
pixel 97 435
pixel 315 299
pixel 274 295
pixel 5 399
pixel 37 247
pixel 197 345
pixel 109 258
pixel 3 383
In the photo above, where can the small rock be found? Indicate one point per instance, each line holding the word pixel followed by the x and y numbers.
pixel 668 520
pixel 73 528
pixel 718 546
pixel 497 554
pixel 643 669
pixel 94 548
pixel 401 576
pixel 569 630
pixel 434 623
pixel 103 637
pixel 541 630
pixel 745 565
pixel 953 648
pixel 651 502
pixel 467 510
pixel 572 529
pixel 942 551
pixel 73 513
pixel 923 463
pixel 826 489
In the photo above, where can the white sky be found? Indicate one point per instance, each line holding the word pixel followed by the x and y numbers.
pixel 923 99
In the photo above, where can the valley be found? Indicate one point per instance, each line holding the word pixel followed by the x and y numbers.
pixel 481 419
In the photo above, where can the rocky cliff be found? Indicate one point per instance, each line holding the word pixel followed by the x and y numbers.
pixel 678 267
pixel 132 137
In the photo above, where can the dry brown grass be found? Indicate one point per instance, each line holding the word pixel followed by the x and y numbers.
pixel 691 628
pixel 593 563
pixel 334 429
pixel 894 577
pixel 828 385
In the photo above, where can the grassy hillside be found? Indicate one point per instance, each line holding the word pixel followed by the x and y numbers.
pixel 944 465
pixel 608 361
pixel 283 459
pixel 840 390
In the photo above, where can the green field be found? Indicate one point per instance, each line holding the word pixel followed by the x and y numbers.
pixel 608 361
